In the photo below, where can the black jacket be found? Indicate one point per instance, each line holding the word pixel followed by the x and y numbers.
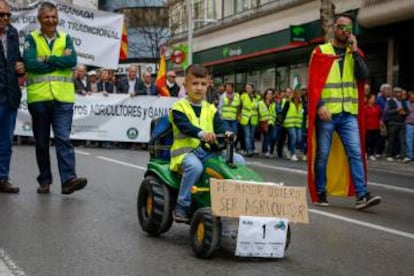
pixel 123 86
pixel 79 86
pixel 109 86
pixel 9 86
pixel 174 90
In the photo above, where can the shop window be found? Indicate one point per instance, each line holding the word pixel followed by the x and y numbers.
pixel 244 5
pixel 282 78
pixel 240 81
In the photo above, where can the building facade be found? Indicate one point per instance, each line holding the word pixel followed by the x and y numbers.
pixel 252 41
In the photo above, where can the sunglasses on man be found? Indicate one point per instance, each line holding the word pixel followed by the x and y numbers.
pixel 4 14
pixel 344 27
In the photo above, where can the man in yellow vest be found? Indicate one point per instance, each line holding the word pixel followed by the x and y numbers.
pixel 194 121
pixel 333 111
pixel 49 57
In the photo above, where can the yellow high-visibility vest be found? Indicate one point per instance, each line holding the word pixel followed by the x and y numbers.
pixel 294 116
pixel 229 110
pixel 267 113
pixel 340 93
pixel 182 143
pixel 250 110
pixel 57 85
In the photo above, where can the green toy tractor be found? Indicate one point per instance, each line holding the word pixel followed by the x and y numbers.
pixel 158 192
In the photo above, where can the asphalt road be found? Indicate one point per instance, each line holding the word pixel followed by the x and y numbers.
pixel 95 231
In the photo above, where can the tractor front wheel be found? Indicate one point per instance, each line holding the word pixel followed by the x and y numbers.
pixel 205 233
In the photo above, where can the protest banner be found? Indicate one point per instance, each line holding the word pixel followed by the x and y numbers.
pixel 231 198
pixel 96 34
pixel 116 117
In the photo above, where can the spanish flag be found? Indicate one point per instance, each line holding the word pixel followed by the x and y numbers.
pixel 338 175
pixel 123 53
pixel 160 82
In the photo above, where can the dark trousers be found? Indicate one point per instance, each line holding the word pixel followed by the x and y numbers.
pixel 7 123
pixel 59 116
pixel 396 138
pixel 372 141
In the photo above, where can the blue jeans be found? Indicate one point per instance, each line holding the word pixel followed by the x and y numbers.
pixel 294 138
pixel 409 138
pixel 232 125
pixel 192 167
pixel 346 125
pixel 268 139
pixel 249 131
pixel 7 123
pixel 59 116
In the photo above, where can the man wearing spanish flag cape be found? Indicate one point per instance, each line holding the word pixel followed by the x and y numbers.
pixel 336 155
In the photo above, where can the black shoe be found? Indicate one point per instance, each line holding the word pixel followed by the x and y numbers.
pixel 322 201
pixel 180 215
pixel 74 184
pixel 6 187
pixel 43 189
pixel 367 201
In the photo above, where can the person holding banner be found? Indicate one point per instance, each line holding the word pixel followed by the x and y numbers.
pixel 11 67
pixel 193 120
pixel 131 85
pixel 49 57
pixel 336 123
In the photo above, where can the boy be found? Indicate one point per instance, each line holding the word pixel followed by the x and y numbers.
pixel 194 120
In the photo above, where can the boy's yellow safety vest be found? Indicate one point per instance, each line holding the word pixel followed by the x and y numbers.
pixel 182 143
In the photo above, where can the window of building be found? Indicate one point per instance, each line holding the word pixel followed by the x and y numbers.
pixel 244 5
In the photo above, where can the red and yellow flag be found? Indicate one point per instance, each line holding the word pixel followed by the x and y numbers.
pixel 160 82
pixel 123 53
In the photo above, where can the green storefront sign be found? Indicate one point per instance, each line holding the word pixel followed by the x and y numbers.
pixel 298 33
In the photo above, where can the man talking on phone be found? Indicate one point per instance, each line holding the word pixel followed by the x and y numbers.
pixel 336 93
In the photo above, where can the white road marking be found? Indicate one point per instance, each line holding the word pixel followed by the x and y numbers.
pixel 82 152
pixel 365 224
pixel 8 267
pixel 121 163
pixel 322 213
pixel 303 172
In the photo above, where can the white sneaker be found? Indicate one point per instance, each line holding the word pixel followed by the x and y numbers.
pixel 372 157
pixel 390 159
pixel 304 157
pixel 294 158
pixel 406 160
pixel 267 154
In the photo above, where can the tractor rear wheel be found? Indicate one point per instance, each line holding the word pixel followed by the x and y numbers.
pixel 154 206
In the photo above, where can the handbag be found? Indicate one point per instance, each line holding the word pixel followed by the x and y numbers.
pixel 263 126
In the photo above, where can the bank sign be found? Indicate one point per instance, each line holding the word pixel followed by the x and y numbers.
pixel 232 52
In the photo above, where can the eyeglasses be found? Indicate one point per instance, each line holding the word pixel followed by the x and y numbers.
pixel 172 77
pixel 344 27
pixel 4 14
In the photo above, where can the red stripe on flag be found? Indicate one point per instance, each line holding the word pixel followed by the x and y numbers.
pixel 123 53
pixel 160 82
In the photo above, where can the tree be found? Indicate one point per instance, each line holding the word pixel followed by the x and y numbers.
pixel 147 27
pixel 327 18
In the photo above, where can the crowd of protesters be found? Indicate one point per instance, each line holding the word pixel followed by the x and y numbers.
pixel 390 123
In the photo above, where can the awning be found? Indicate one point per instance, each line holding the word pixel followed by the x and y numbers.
pixel 382 12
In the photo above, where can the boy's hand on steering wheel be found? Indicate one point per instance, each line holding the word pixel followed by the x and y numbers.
pixel 209 137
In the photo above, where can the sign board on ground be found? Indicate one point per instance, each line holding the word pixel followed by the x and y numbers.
pixel 231 198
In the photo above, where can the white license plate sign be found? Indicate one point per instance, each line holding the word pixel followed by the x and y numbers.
pixel 261 237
